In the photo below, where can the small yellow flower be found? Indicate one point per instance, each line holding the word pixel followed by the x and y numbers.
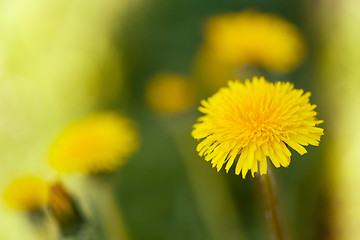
pixel 97 143
pixel 248 122
pixel 169 93
pixel 27 193
pixel 255 38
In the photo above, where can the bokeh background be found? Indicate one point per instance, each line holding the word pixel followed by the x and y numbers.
pixel 63 60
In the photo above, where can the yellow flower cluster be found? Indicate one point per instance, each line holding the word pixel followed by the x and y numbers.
pixel 245 123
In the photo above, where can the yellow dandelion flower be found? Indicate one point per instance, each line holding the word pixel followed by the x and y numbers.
pixel 248 122
pixel 169 93
pixel 27 193
pixel 251 37
pixel 97 143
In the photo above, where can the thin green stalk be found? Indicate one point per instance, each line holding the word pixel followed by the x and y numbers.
pixel 272 213
pixel 108 210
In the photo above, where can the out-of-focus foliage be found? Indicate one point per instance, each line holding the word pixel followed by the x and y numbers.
pixel 340 77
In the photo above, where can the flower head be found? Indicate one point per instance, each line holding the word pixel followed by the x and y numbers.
pixel 248 122
pixel 255 38
pixel 169 93
pixel 27 193
pixel 97 143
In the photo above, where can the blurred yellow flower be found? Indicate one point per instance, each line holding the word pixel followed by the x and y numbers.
pixel 97 143
pixel 255 38
pixel 27 193
pixel 169 93
pixel 248 122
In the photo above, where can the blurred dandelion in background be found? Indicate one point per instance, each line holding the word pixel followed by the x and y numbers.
pixel 255 38
pixel 27 193
pixel 94 144
pixel 170 93
pixel 234 41
pixel 339 72
pixel 251 121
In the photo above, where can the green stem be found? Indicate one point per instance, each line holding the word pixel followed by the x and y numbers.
pixel 271 207
pixel 109 213
pixel 41 225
